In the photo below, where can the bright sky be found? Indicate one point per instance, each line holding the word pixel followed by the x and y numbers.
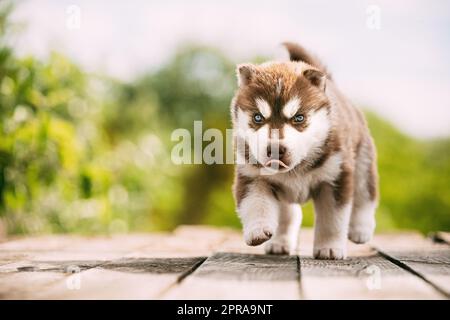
pixel 401 70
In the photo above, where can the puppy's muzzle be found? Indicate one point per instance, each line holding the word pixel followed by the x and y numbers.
pixel 277 156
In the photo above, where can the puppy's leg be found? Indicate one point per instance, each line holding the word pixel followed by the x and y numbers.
pixel 331 225
pixel 362 222
pixel 258 210
pixel 286 236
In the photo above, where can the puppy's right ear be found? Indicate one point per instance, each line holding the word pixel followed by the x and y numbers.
pixel 245 73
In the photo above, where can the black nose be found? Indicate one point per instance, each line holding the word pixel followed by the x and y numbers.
pixel 275 151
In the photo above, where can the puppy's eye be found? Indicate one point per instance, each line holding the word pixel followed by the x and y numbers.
pixel 298 118
pixel 258 118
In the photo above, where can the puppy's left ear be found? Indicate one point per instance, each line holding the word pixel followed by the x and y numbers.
pixel 316 77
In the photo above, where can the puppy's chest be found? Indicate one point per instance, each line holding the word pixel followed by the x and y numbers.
pixel 295 189
pixel 298 187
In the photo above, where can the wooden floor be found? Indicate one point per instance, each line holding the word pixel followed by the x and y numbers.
pixel 212 263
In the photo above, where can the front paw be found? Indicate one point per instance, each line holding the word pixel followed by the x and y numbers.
pixel 360 235
pixel 329 253
pixel 257 235
pixel 278 246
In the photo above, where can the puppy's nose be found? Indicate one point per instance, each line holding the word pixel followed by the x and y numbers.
pixel 275 151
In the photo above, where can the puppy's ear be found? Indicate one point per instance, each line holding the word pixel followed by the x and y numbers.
pixel 316 77
pixel 245 73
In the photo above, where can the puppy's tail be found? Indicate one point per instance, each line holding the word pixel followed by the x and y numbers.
pixel 298 53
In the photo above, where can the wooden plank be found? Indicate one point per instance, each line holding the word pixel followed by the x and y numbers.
pixel 237 271
pixel 204 232
pixel 172 266
pixel 441 237
pixel 235 243
pixel 105 272
pixel 92 284
pixel 60 248
pixel 185 241
pixel 421 257
pixel 48 266
pixel 134 266
pixel 23 285
pixel 241 276
pixel 30 279
pixel 77 242
pixel 124 279
pixel 30 266
pixel 146 272
pixel 353 278
pixel 121 279
pixel 363 275
pixel 431 265
pixel 370 277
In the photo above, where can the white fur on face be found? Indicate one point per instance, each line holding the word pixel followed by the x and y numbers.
pixel 257 140
pixel 301 144
pixel 263 107
pixel 291 108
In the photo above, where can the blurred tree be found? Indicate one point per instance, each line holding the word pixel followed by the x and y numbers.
pixel 414 179
pixel 61 168
pixel 195 85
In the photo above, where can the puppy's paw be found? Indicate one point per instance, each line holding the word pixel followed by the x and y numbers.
pixel 360 235
pixel 278 246
pixel 329 253
pixel 257 235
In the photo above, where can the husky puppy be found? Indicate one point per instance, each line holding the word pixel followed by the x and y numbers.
pixel 297 138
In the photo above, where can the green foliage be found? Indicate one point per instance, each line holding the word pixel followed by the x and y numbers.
pixel 84 153
pixel 414 179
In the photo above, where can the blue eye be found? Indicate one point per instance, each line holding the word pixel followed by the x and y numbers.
pixel 258 118
pixel 298 118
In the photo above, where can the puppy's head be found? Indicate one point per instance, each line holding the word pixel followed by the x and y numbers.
pixel 280 113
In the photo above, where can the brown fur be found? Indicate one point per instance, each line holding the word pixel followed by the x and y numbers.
pixel 298 53
pixel 349 129
pixel 330 158
pixel 240 187
pixel 263 84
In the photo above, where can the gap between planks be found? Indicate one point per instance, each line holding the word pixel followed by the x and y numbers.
pixel 314 280
pixel 112 279
pixel 406 267
pixel 180 278
pixel 302 282
pixel 426 258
